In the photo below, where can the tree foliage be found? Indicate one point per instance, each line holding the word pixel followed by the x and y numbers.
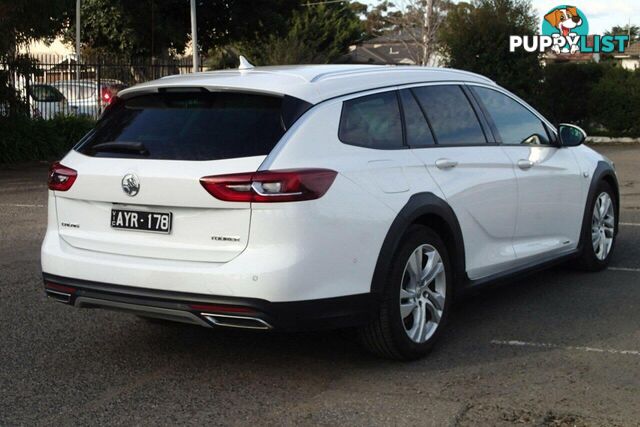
pixel 163 27
pixel 633 31
pixel 377 19
pixel 317 34
pixel 615 101
pixel 22 21
pixel 564 108
pixel 417 27
pixel 475 37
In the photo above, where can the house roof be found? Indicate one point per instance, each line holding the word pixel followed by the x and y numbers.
pixel 312 83
pixel 551 56
pixel 632 50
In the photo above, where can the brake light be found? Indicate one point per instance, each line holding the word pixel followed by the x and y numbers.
pixel 107 96
pixel 61 178
pixel 270 186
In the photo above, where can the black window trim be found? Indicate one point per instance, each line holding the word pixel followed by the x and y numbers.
pixel 433 135
pixel 402 119
pixel 488 127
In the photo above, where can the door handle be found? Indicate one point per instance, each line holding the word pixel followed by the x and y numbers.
pixel 446 164
pixel 525 164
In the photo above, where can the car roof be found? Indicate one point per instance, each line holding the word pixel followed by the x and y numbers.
pixel 311 83
pixel 103 82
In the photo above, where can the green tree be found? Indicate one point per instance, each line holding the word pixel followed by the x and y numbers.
pixel 633 31
pixel 564 108
pixel 615 101
pixel 22 21
pixel 317 34
pixel 475 37
pixel 163 27
pixel 377 19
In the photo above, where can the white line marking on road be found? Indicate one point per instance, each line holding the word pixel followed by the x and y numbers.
pixel 630 224
pixel 636 270
pixel 515 343
pixel 20 205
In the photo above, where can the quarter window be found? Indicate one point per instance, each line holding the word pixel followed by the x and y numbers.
pixel 372 121
pixel 453 120
pixel 515 123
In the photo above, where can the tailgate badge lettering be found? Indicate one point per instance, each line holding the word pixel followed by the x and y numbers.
pixel 130 184
pixel 225 238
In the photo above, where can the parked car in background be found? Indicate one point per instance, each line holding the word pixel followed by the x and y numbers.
pixel 45 101
pixel 89 97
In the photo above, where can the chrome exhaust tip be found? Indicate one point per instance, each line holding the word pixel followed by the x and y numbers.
pixel 62 297
pixel 233 321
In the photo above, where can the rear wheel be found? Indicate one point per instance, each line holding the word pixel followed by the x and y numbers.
pixel 416 299
pixel 600 232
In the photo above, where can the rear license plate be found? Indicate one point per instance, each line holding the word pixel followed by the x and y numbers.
pixel 157 222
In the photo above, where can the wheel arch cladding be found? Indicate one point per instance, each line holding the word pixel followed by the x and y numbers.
pixel 603 173
pixel 429 210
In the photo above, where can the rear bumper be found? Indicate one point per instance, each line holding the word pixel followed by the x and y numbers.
pixel 211 310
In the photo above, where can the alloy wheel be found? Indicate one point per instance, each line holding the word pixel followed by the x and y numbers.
pixel 602 226
pixel 422 293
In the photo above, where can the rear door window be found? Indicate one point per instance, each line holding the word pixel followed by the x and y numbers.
pixel 452 118
pixel 187 126
pixel 372 121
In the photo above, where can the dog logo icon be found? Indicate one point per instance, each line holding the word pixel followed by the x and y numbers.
pixel 566 22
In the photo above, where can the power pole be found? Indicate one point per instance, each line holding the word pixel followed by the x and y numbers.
pixel 194 37
pixel 77 39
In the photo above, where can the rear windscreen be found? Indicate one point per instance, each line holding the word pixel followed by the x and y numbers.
pixel 187 126
pixel 45 93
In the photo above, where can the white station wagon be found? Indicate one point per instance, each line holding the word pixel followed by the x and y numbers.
pixel 320 196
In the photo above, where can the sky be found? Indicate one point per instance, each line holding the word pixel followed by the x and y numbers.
pixel 601 14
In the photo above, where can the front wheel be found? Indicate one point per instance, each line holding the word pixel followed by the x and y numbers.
pixel 416 299
pixel 600 232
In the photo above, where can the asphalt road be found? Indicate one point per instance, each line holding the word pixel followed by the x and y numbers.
pixel 557 348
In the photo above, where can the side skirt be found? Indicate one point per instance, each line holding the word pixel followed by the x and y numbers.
pixel 471 287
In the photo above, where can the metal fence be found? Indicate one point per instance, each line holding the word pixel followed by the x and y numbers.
pixel 44 86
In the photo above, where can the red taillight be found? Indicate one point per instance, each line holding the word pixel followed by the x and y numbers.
pixel 61 178
pixel 270 186
pixel 214 308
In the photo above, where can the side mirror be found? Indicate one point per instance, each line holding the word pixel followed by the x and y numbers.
pixel 571 135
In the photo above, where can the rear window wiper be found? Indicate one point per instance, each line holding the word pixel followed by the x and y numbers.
pixel 121 147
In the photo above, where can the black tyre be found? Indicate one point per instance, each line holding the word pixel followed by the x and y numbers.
pixel 416 299
pixel 600 231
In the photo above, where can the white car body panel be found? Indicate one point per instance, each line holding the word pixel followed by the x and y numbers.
pixel 482 191
pixel 551 196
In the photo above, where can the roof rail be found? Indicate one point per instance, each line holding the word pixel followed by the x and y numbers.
pixel 393 68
